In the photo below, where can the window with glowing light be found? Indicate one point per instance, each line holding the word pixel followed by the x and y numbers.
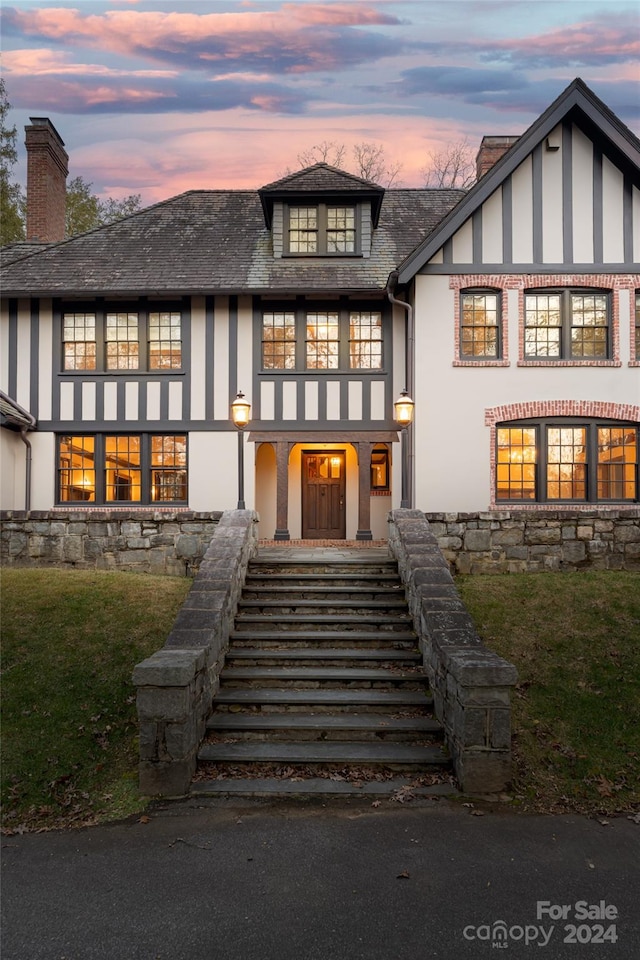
pixel 554 461
pixel 122 468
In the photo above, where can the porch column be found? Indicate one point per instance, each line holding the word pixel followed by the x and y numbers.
pixel 364 491
pixel 282 490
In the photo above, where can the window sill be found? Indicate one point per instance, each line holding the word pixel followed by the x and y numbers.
pixel 322 256
pixel 111 374
pixel 481 362
pixel 569 363
pixel 355 372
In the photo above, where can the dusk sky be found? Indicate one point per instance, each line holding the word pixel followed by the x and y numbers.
pixel 157 97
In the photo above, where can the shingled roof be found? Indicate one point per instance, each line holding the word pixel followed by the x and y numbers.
pixel 321 180
pixel 216 241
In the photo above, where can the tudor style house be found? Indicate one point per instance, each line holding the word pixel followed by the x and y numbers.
pixel 510 314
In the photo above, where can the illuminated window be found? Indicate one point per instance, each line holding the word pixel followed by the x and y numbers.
pixel 165 343
pixel 566 463
pixel 121 331
pixel 365 340
pixel 76 469
pixel 323 341
pixel 480 326
pixel 279 341
pixel 168 468
pixel 516 466
pixel 566 325
pixel 123 468
pixel 617 463
pixel 380 468
pixel 551 461
pixel 79 341
pixel 322 230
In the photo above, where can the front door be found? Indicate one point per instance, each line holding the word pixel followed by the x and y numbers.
pixel 323 488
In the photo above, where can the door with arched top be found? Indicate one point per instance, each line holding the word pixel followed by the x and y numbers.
pixel 323 495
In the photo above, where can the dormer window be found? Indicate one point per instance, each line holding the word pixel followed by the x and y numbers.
pixel 321 230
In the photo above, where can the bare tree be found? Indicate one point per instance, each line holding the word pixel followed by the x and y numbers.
pixel 368 160
pixel 451 167
pixel 328 151
pixel 371 164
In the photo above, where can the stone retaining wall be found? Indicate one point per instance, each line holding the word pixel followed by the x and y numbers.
pixel 471 684
pixel 144 541
pixel 518 541
pixel 175 686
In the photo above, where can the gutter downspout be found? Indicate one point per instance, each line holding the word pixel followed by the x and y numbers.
pixel 392 284
pixel 27 492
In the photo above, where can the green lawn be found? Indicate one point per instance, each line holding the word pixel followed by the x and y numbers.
pixel 70 640
pixel 575 639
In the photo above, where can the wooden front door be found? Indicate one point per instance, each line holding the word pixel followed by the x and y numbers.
pixel 323 488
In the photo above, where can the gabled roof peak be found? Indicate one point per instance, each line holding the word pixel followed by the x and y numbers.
pixel 320 181
pixel 320 176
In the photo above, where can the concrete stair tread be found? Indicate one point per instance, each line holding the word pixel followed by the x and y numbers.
pixel 325 751
pixel 317 673
pixel 323 636
pixel 321 653
pixel 325 787
pixel 271 695
pixel 324 618
pixel 321 721
pixel 286 588
pixel 285 601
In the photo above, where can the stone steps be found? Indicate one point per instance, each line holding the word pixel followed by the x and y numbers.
pixel 323 673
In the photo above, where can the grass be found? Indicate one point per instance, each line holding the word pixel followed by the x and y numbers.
pixel 71 639
pixel 69 728
pixel 575 640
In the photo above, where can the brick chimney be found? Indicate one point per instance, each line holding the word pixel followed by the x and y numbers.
pixel 491 150
pixel 47 168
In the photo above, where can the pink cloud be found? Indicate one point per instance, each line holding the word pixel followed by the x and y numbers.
pixel 42 62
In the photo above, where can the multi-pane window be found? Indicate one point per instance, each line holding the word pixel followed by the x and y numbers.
pixel 365 340
pixel 480 326
pixel 303 230
pixel 322 229
pixel 168 468
pixel 340 336
pixel 341 230
pixel 322 341
pixel 380 468
pixel 76 469
pixel 552 461
pixel 125 468
pixel 566 324
pixel 79 341
pixel 516 463
pixel 122 344
pixel 279 340
pixel 165 343
pixel 120 338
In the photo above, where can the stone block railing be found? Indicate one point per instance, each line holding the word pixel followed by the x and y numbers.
pixel 471 684
pixel 133 539
pixel 175 686
pixel 530 541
